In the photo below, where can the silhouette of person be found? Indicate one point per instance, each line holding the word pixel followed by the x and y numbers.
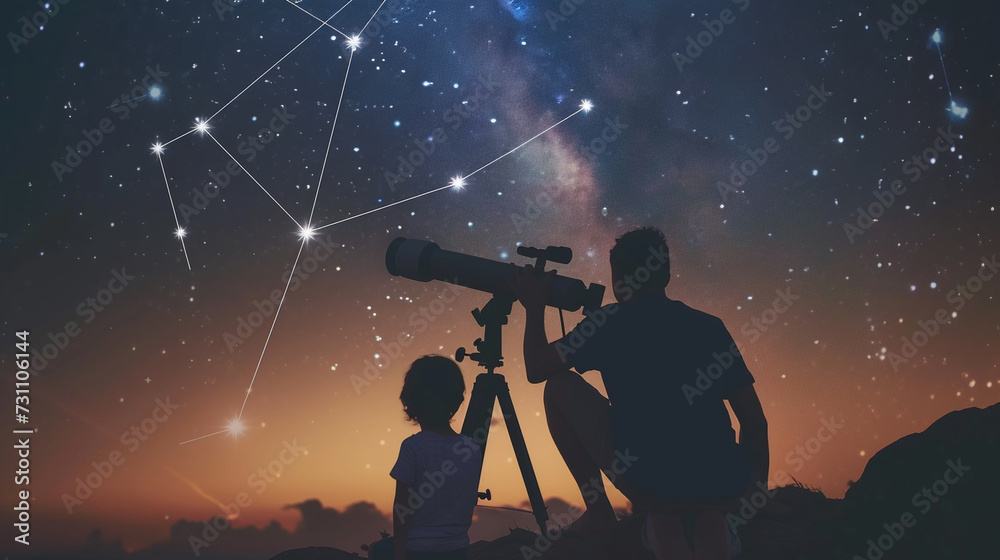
pixel 663 436
pixel 437 472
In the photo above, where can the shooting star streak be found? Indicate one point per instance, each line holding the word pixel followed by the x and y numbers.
pixel 202 493
pixel 456 182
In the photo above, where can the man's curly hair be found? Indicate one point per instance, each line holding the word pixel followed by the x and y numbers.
pixel 632 250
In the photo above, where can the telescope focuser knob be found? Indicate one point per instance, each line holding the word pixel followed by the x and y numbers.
pixel 486 495
pixel 460 353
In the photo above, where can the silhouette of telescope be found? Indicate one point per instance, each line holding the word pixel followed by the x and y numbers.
pixel 424 261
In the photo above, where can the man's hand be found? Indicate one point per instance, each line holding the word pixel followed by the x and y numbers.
pixel 530 290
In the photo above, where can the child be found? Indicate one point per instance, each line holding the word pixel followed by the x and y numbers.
pixel 437 472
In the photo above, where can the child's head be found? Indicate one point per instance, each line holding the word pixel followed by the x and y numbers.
pixel 433 389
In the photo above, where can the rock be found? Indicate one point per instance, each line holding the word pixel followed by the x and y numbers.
pixel 931 494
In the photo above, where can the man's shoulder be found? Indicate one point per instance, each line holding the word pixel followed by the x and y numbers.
pixel 685 311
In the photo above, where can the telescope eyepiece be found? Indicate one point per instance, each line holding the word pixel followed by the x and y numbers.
pixel 561 255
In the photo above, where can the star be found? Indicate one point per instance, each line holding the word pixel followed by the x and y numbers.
pixel 148 380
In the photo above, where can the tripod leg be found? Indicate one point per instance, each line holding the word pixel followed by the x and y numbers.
pixel 521 452
pixel 479 415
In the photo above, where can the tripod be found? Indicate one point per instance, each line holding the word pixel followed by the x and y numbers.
pixel 491 387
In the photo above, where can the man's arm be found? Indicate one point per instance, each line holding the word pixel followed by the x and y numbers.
pixel 753 429
pixel 400 520
pixel 541 359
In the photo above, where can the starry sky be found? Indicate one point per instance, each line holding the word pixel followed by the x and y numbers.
pixel 768 154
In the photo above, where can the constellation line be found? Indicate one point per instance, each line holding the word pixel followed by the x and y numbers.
pixel 524 143
pixel 317 18
pixel 452 184
pixel 373 16
pixel 273 322
pixel 329 143
pixel 165 144
pixel 204 436
pixel 269 69
pixel 180 232
pixel 252 177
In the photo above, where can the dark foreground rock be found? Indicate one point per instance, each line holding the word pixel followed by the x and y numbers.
pixel 930 495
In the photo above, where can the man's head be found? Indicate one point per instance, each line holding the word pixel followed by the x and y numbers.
pixel 640 262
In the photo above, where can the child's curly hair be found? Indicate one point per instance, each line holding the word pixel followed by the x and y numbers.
pixel 433 389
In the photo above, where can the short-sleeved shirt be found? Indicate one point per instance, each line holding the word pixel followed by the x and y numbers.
pixel 443 474
pixel 667 369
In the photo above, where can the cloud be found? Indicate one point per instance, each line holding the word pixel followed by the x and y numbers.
pixel 359 523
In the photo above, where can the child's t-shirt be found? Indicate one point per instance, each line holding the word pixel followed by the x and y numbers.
pixel 443 474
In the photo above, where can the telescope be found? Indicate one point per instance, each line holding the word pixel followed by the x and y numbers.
pixel 425 261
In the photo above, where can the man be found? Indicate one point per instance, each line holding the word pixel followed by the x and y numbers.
pixel 663 436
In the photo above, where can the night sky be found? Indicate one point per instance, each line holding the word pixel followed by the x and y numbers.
pixel 844 110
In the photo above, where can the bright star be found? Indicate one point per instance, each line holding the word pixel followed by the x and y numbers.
pixel 458 182
pixel 936 37
pixel 201 126
pixel 157 148
pixel 354 42
pixel 155 92
pixel 307 232
pixel 586 105
pixel 236 428
pixel 180 233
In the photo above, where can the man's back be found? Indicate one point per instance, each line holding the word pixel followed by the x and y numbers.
pixel 667 369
